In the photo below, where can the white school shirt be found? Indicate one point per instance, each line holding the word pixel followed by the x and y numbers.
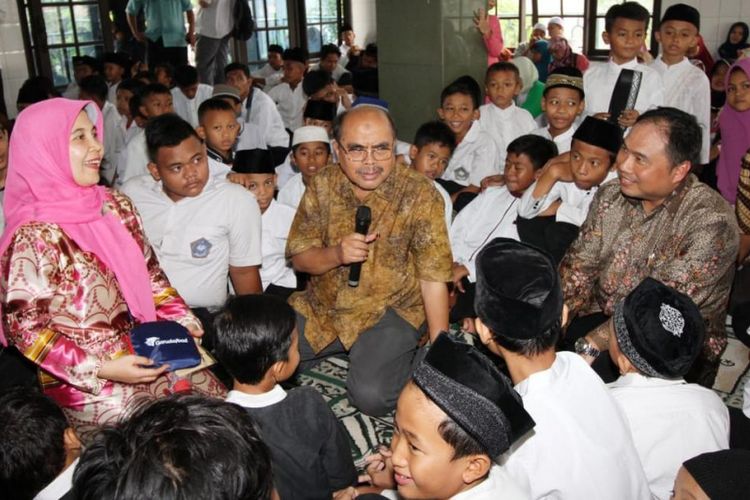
pixel 505 125
pixel 114 140
pixel 492 214
pixel 447 203
pixel 292 192
pixel 133 161
pixel 290 103
pixel 600 79
pixel 59 486
pixel 581 447
pixel 187 109
pixel 218 169
pixel 475 158
pixel 671 421
pixel 271 76
pixel 264 114
pixel 250 137
pixel 215 20
pixel 688 88
pixel 344 59
pixel 574 206
pixel 112 92
pixel 562 141
pixel 499 485
pixel 285 172
pixel 197 238
pixel 277 221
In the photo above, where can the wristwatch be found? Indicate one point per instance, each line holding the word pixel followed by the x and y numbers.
pixel 586 348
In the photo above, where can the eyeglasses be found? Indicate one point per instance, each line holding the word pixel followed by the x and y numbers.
pixel 359 153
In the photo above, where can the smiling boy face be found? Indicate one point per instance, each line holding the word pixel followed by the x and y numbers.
pixel 458 112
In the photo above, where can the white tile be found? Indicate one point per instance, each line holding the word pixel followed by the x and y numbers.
pixel 709 8
pixel 710 27
pixel 11 38
pixel 730 9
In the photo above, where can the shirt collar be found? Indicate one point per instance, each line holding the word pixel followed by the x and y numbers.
pixel 212 153
pixel 544 377
pixel 673 201
pixel 632 64
pixel 60 485
pixel 245 400
pixel 640 380
pixel 685 62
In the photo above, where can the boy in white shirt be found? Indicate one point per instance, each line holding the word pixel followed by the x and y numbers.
pixel 655 336
pixel 155 100
pixel 94 88
pixel 125 92
pixel 625 32
pixel 250 136
pixel 454 418
pixel 501 118
pixel 476 155
pixel 116 68
pixel 685 85
pixel 430 154
pixel 257 166
pixel 204 231
pixel 330 55
pixel 256 106
pixel 554 207
pixel 581 447
pixel 188 93
pixel 562 104
pixel 272 72
pixel 311 151
pixel 288 95
pixel 493 214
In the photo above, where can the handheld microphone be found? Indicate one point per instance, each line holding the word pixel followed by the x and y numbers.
pixel 361 225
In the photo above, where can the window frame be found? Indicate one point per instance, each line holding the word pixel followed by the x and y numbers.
pixel 34 34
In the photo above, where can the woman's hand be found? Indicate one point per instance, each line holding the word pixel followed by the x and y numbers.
pixel 481 21
pixel 131 369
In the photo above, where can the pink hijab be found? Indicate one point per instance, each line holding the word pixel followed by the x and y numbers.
pixel 735 141
pixel 40 187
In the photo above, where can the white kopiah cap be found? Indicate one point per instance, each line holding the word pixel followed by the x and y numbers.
pixel 540 26
pixel 556 20
pixel 309 133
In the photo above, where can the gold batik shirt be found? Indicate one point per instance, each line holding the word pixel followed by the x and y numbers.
pixel 742 205
pixel 408 215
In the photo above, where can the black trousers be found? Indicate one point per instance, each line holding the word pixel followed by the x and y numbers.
pixel 547 234
pixel 157 53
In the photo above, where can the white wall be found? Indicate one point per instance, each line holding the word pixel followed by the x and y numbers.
pixel 716 18
pixel 12 57
pixel 363 21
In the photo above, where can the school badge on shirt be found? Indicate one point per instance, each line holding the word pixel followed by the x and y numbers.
pixel 200 248
pixel 461 174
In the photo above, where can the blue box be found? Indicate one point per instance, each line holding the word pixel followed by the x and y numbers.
pixel 165 342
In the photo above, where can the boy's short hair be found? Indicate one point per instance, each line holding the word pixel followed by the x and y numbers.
pixel 539 149
pixel 145 75
pixel 502 66
pixel 94 85
pixel 568 77
pixel 252 333
pixel 315 81
pixel 185 75
pixel 32 443
pixel 36 89
pixel 166 131
pixel 278 49
pixel 465 85
pixel 213 104
pixel 345 27
pixel 132 85
pixel 92 62
pixel 237 66
pixel 435 132
pixel 328 49
pixel 365 82
pixel 147 91
pixel 627 10
pixel 371 50
pixel 296 54
pixel 177 447
pixel 166 67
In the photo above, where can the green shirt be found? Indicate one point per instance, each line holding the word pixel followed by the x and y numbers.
pixel 164 19
pixel 533 102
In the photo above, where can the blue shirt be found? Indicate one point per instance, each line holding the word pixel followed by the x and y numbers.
pixel 164 19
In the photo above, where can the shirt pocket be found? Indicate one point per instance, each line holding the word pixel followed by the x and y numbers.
pixel 195 242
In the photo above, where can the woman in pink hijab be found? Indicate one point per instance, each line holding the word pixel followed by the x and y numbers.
pixel 77 271
pixel 734 121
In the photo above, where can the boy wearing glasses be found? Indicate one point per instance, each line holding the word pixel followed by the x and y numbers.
pixel 405 262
